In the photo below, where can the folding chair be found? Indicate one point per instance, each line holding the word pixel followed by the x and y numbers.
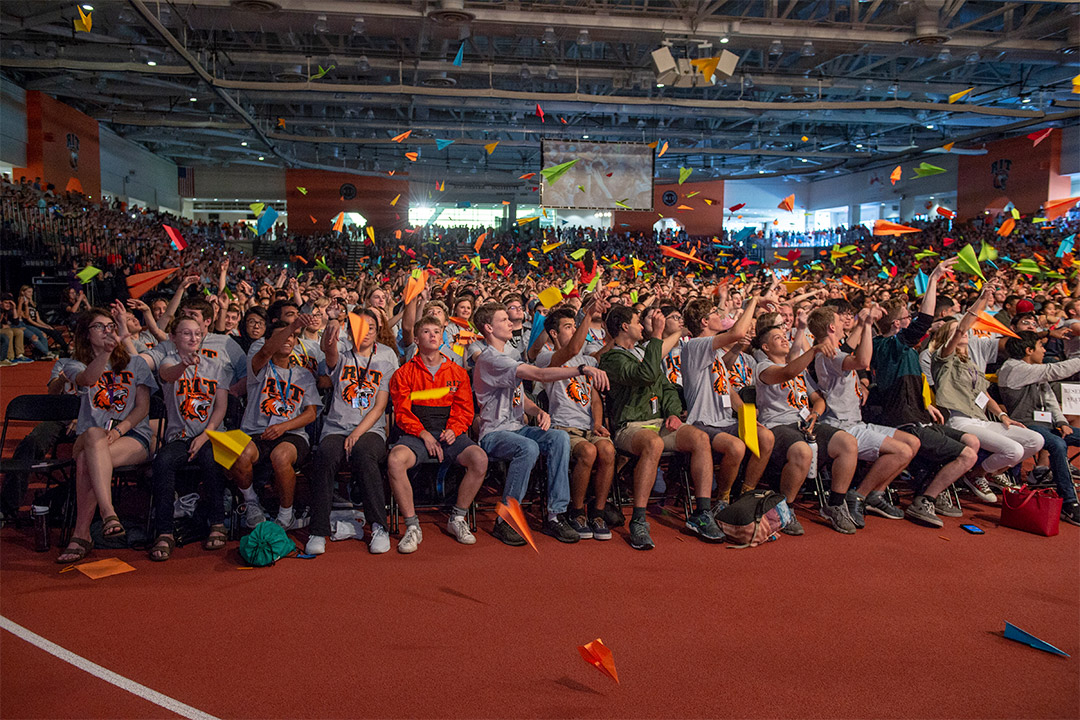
pixel 35 409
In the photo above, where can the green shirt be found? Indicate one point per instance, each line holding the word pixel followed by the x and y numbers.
pixel 640 390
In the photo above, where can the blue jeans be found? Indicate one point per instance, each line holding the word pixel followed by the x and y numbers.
pixel 1059 458
pixel 522 448
pixel 36 337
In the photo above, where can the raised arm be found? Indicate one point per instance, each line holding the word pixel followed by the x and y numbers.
pixel 968 320
pixel 929 301
pixel 177 298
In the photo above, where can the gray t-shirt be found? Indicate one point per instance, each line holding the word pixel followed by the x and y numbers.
pixel 306 354
pixel 113 397
pixel 219 347
pixel 783 403
pixel 569 401
pixel 279 395
pixel 842 390
pixel 982 350
pixel 498 392
pixel 1072 343
pixel 146 339
pixel 358 378
pixel 594 340
pixel 705 383
pixel 673 365
pixel 70 368
pixel 189 402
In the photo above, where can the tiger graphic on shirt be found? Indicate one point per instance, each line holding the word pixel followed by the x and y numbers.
pixel 196 398
pixel 719 376
pixel 673 367
pixel 358 394
pixel 796 393
pixel 111 392
pixel 579 390
pixel 273 402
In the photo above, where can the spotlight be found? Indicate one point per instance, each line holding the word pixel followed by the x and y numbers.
pixel 363 65
pixel 151 63
pixel 553 72
pixel 808 49
pixel 776 48
pixel 358 26
pixel 583 37
pixel 549 36
pixel 320 25
pixel 945 55
pixel 724 40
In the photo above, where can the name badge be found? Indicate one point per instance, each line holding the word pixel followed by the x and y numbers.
pixel 1043 416
pixel 725 400
pixel 981 400
pixel 804 413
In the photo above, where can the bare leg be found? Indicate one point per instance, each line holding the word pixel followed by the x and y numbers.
pixel 732 450
pixel 475 462
pixel 696 442
pixel 282 459
pixel 648 446
pixel 584 456
pixel 894 456
pixel 795 470
pixel 844 451
pixel 398 463
pixel 605 472
pixel 755 466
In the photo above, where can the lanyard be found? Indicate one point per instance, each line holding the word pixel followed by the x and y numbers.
pixel 371 356
pixel 277 381
pixel 741 370
pixel 300 344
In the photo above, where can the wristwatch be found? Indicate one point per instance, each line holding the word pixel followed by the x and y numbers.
pixel 581 369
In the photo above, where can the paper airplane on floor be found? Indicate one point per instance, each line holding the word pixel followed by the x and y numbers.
pixel 512 513
pixel 599 656
pixel 1022 636
pixel 104 568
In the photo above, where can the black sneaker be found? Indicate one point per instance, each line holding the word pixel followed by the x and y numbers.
pixel 639 535
pixel 1071 514
pixel 561 530
pixel 856 508
pixel 508 535
pixel 703 525
pixel 581 526
pixel 613 516
pixel 599 528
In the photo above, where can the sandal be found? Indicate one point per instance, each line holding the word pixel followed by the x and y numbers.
pixel 162 548
pixel 111 528
pixel 217 538
pixel 74 554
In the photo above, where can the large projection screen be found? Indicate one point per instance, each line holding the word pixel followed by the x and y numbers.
pixel 629 165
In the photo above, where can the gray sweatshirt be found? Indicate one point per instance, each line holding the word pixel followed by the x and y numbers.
pixel 1026 388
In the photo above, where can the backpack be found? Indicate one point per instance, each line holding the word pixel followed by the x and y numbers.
pixel 265 544
pixel 756 517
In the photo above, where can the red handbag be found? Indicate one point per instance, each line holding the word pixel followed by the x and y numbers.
pixel 1033 511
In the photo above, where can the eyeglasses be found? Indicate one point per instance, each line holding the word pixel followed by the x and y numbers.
pixel 102 326
pixel 514 307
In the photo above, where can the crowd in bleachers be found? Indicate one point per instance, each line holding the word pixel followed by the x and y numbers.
pixel 596 351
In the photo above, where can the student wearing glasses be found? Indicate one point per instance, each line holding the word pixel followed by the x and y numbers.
pixel 112 430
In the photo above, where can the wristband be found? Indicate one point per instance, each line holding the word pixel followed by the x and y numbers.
pixel 1001 415
pixel 581 369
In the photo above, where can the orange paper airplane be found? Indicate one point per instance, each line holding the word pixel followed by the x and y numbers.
pixel 671 252
pixel 787 203
pixel 884 227
pixel 988 323
pixel 1006 227
pixel 599 656
pixel 1056 208
pixel 142 283
pixel 402 136
pixel 513 514
pixel 415 286
pixel 412 156
pixel 895 174
pixel 479 242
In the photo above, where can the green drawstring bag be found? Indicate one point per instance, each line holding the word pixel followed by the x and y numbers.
pixel 265 544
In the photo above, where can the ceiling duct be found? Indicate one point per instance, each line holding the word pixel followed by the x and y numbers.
pixel 439 80
pixel 927 24
pixel 449 12
pixel 255 6
pixel 291 74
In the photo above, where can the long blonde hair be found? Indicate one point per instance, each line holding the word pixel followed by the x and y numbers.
pixel 941 337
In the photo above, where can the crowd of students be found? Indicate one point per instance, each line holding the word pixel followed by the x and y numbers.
pixel 328 373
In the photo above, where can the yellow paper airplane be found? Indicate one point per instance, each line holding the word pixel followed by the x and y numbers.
pixel 227 446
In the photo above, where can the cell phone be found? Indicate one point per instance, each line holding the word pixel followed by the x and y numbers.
pixel 973 529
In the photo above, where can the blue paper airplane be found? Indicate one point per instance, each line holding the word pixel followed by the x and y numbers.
pixel 1014 633
pixel 266 220
pixel 922 282
pixel 460 55
pixel 743 234
pixel 1066 245
pixel 443 144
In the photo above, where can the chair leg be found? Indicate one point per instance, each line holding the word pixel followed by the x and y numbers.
pixel 954 495
pixel 688 490
pixel 819 484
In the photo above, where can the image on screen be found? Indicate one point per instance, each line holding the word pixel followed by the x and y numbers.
pixel 630 167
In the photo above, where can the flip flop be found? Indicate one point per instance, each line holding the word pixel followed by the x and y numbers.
pixel 76 553
pixel 159 552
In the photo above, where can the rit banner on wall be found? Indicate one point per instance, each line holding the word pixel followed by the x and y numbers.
pixel 61 146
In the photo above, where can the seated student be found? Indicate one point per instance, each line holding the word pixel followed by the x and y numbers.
pixel 899 390
pixel 497 380
pixel 112 430
pixel 709 394
pixel 887 448
pixel 281 402
pixel 354 430
pixel 788 407
pixel 433 428
pixel 306 353
pixel 577 409
pixel 646 411
pixel 196 392
pixel 1024 381
pixel 962 389
pixel 214 346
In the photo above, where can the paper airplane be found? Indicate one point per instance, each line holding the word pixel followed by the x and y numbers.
pixel 402 136
pixel 512 513
pixel 707 66
pixel 956 96
pixel 539 112
pixel 412 156
pixel 663 150
pixel 988 323
pixel 922 282
pixel 394 201
pixel 968 263
pixel 415 285
pixel 84 23
pixel 527 176
pixel 227 446
pixel 175 238
pixel 460 56
pixel 884 227
pixel 1006 227
pixel 787 203
pixel 339 222
pixel 1038 137
pixel 1056 208
pixel 1022 636
pixel 87 274
pixel 443 144
pixel 257 208
pixel 945 212
pixel 684 173
pixel 321 73
pixel 553 173
pixel 671 252
pixel 896 174
pixel 599 656
pixel 926 169
pixel 103 568
pixel 1066 245
pixel 142 283
pixel 490 147
pixel 947 147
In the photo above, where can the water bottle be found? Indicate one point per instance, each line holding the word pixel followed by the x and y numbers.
pixel 40 513
pixel 812 472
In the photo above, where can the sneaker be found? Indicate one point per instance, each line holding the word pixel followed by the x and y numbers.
pixel 715 510
pixel 561 530
pixel 704 526
pixel 1001 481
pixel 879 505
pixel 1075 472
pixel 856 507
pixel 599 529
pixel 411 540
pixel 613 516
pixel 793 528
pixel 1041 476
pixel 253 514
pixel 316 545
pixel 459 528
pixel 922 510
pixel 380 540
pixel 49 356
pixel 507 535
pixel 293 523
pixel 944 506
pixel 840 517
pixel 981 488
pixel 581 526
pixel 6 363
pixel 639 535
pixel 340 503
pixel 1071 514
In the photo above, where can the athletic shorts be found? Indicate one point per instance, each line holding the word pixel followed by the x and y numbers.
pixel 787 435
pixel 940 444
pixel 624 436
pixel 578 436
pixel 712 430
pixel 419 449
pixel 870 438
pixel 265 447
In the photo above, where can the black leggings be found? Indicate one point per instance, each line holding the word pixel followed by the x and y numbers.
pixel 169 459
pixel 367 453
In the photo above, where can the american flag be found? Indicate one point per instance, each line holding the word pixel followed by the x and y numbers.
pixel 185 181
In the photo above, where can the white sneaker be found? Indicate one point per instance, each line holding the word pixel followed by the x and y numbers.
pixel 459 528
pixel 316 545
pixel 253 514
pixel 981 488
pixel 380 541
pixel 411 540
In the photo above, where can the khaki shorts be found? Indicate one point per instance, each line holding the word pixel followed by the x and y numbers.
pixel 577 435
pixel 624 438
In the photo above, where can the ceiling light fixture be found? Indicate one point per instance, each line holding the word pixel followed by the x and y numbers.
pixel 320 25
pixel 87 7
pixel 553 72
pixel 583 37
pixel 358 26
pixel 363 65
pixel 525 72
pixel 261 157
pixel 945 55
pixel 724 40
pixel 776 48
pixel 243 143
pixel 808 49
pixel 151 63
pixel 193 99
pixel 549 36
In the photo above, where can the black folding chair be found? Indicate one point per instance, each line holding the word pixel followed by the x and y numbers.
pixel 32 410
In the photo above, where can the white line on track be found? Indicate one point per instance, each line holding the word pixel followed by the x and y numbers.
pixel 104 673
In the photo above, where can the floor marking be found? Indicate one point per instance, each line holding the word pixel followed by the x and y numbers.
pixel 104 673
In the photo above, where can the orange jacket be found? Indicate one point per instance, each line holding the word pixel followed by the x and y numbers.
pixel 414 376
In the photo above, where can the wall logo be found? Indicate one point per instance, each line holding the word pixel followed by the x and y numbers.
pixel 73 148
pixel 669 198
pixel 1000 171
pixel 347 191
